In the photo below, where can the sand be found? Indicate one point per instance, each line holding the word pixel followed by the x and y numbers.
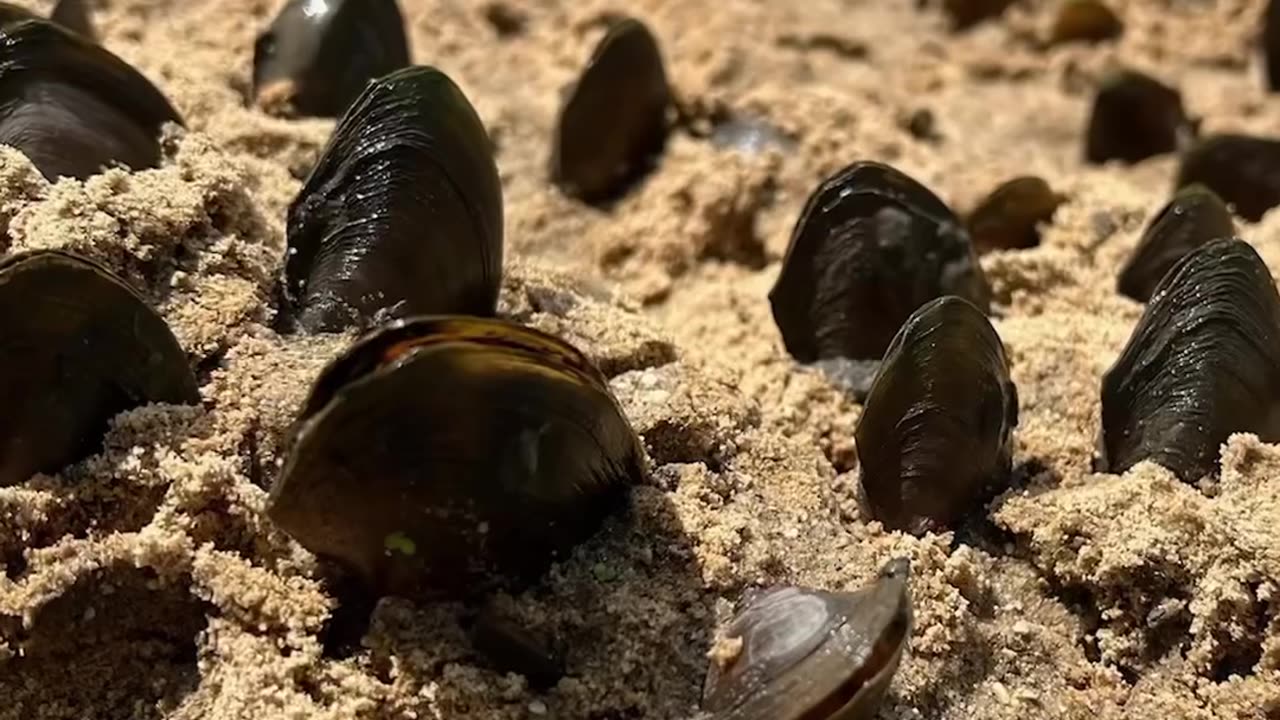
pixel 147 582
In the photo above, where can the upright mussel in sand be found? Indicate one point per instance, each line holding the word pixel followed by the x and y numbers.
pixel 870 247
pixel 316 57
pixel 73 107
pixel 614 121
pixel 1203 363
pixel 1135 117
pixel 73 15
pixel 965 14
pixel 1271 43
pixel 1085 21
pixel 446 456
pixel 1010 217
pixel 1192 218
pixel 80 346
pixel 403 213
pixel 1244 171
pixel 800 654
pixel 935 438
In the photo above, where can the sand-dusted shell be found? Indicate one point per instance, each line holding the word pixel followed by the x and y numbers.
pixel 1085 21
pixel 870 247
pixel 1010 217
pixel 80 346
pixel 1135 117
pixel 73 107
pixel 317 57
pixel 802 654
pixel 1244 171
pixel 614 121
pixel 73 15
pixel 967 13
pixel 1192 218
pixel 445 456
pixel 403 213
pixel 1202 363
pixel 935 438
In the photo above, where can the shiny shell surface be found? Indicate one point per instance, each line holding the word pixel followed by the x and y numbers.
pixel 445 456
pixel 871 245
pixel 403 213
pixel 1010 217
pixel 1202 363
pixel 1135 117
pixel 1244 171
pixel 316 58
pixel 80 346
pixel 1085 21
pixel 935 438
pixel 614 122
pixel 1192 218
pixel 805 654
pixel 73 107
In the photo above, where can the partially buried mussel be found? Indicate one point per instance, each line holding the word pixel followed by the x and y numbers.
pixel 70 14
pixel 614 121
pixel 800 654
pixel 871 245
pixel 403 213
pixel 1010 217
pixel 80 346
pixel 935 437
pixel 317 56
pixel 446 456
pixel 1202 363
pixel 1085 21
pixel 1135 117
pixel 1244 171
pixel 73 107
pixel 1192 218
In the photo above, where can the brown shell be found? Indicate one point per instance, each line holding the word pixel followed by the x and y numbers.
pixel 1085 21
pixel 1135 117
pixel 1010 217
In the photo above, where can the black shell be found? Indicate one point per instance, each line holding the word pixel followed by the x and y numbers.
pixel 1009 218
pixel 1202 363
pixel 1192 218
pixel 1085 21
pixel 402 215
pixel 870 247
pixel 10 13
pixel 967 13
pixel 445 456
pixel 80 346
pixel 1271 43
pixel 614 121
pixel 317 57
pixel 73 107
pixel 73 15
pixel 935 438
pixel 813 655
pixel 1244 171
pixel 1135 117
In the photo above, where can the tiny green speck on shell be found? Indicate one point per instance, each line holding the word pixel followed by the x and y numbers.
pixel 398 541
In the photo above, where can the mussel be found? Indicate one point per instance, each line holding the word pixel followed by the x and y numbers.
pixel 1271 43
pixel 1135 117
pixel 445 456
pixel 1244 171
pixel 1192 218
pixel 801 654
pixel 1202 363
pixel 1085 21
pixel 73 107
pixel 80 346
pixel 935 437
pixel 317 56
pixel 403 213
pixel 614 120
pixel 870 247
pixel 967 13
pixel 1010 217
pixel 73 15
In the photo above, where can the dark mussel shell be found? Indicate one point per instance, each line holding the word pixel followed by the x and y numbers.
pixel 1009 218
pixel 73 15
pixel 80 346
pixel 1085 21
pixel 403 213
pixel 10 13
pixel 317 57
pixel 813 654
pixel 72 107
pixel 1195 216
pixel 614 121
pixel 445 456
pixel 1202 363
pixel 967 13
pixel 1135 117
pixel 1271 43
pixel 935 438
pixel 870 247
pixel 1244 171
